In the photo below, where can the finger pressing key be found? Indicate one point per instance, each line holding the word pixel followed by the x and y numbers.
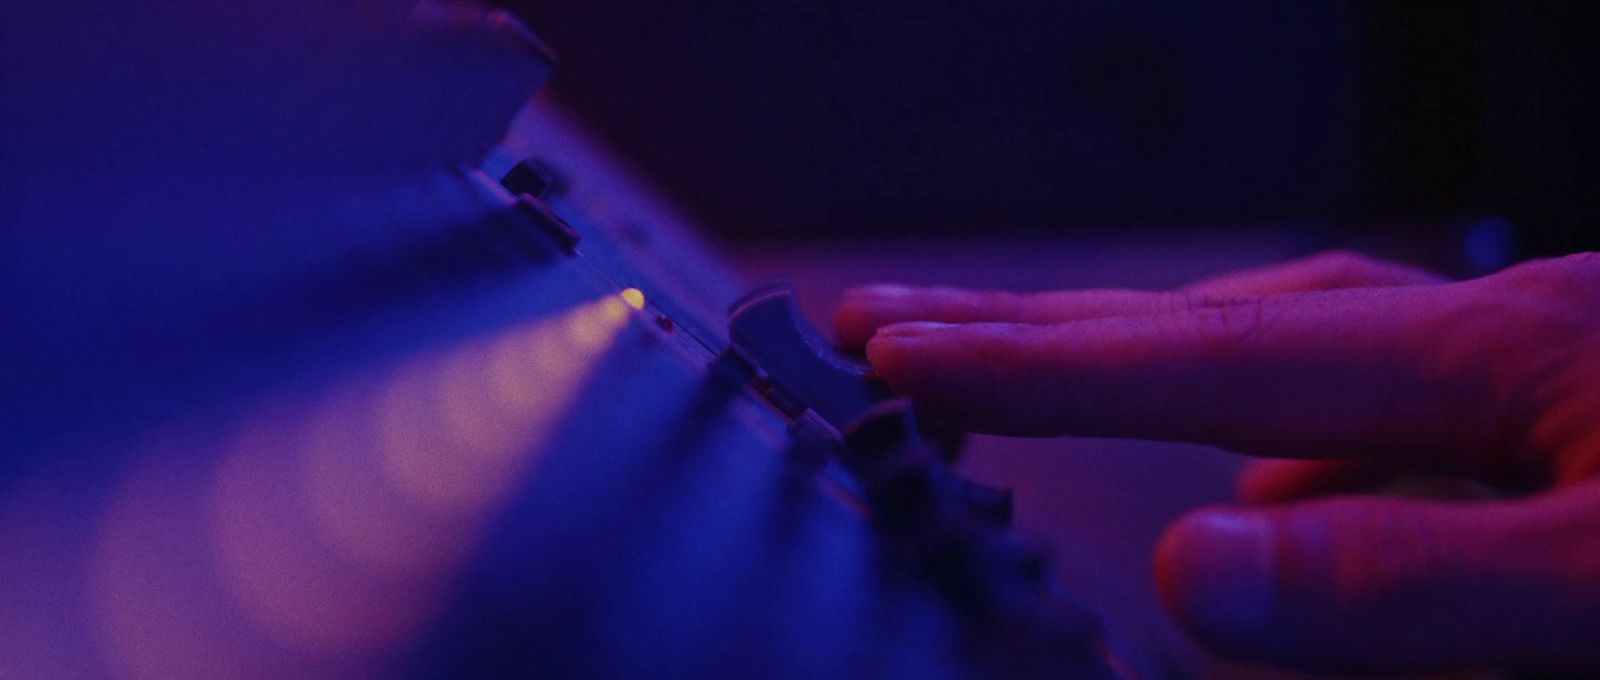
pixel 1302 375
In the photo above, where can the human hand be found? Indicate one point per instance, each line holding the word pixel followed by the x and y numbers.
pixel 1358 368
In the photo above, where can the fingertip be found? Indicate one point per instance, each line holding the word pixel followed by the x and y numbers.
pixel 1213 570
pixel 982 377
pixel 881 353
pixel 852 326
pixel 884 291
pixel 862 310
pixel 1258 483
pixel 922 360
pixel 913 330
pixel 889 347
pixel 1265 482
pixel 1361 585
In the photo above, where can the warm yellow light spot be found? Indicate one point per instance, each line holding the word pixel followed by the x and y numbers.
pixel 616 312
pixel 634 297
pixel 590 332
pixel 333 520
pixel 458 427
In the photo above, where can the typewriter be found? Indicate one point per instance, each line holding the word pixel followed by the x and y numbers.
pixel 335 351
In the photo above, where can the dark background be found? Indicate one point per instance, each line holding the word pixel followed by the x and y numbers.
pixel 775 119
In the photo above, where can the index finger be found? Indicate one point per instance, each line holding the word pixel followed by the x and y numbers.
pixel 1306 375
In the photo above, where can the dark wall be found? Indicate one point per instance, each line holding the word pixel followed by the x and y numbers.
pixel 1541 120
pixel 771 117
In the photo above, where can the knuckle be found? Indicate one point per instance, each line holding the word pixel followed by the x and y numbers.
pixel 1004 304
pixel 1551 304
pixel 1226 326
pixel 1343 265
pixel 1188 301
pixel 1572 279
pixel 1587 261
pixel 1582 272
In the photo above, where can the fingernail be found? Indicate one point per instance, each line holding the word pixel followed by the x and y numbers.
pixel 911 329
pixel 1219 563
pixel 887 292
